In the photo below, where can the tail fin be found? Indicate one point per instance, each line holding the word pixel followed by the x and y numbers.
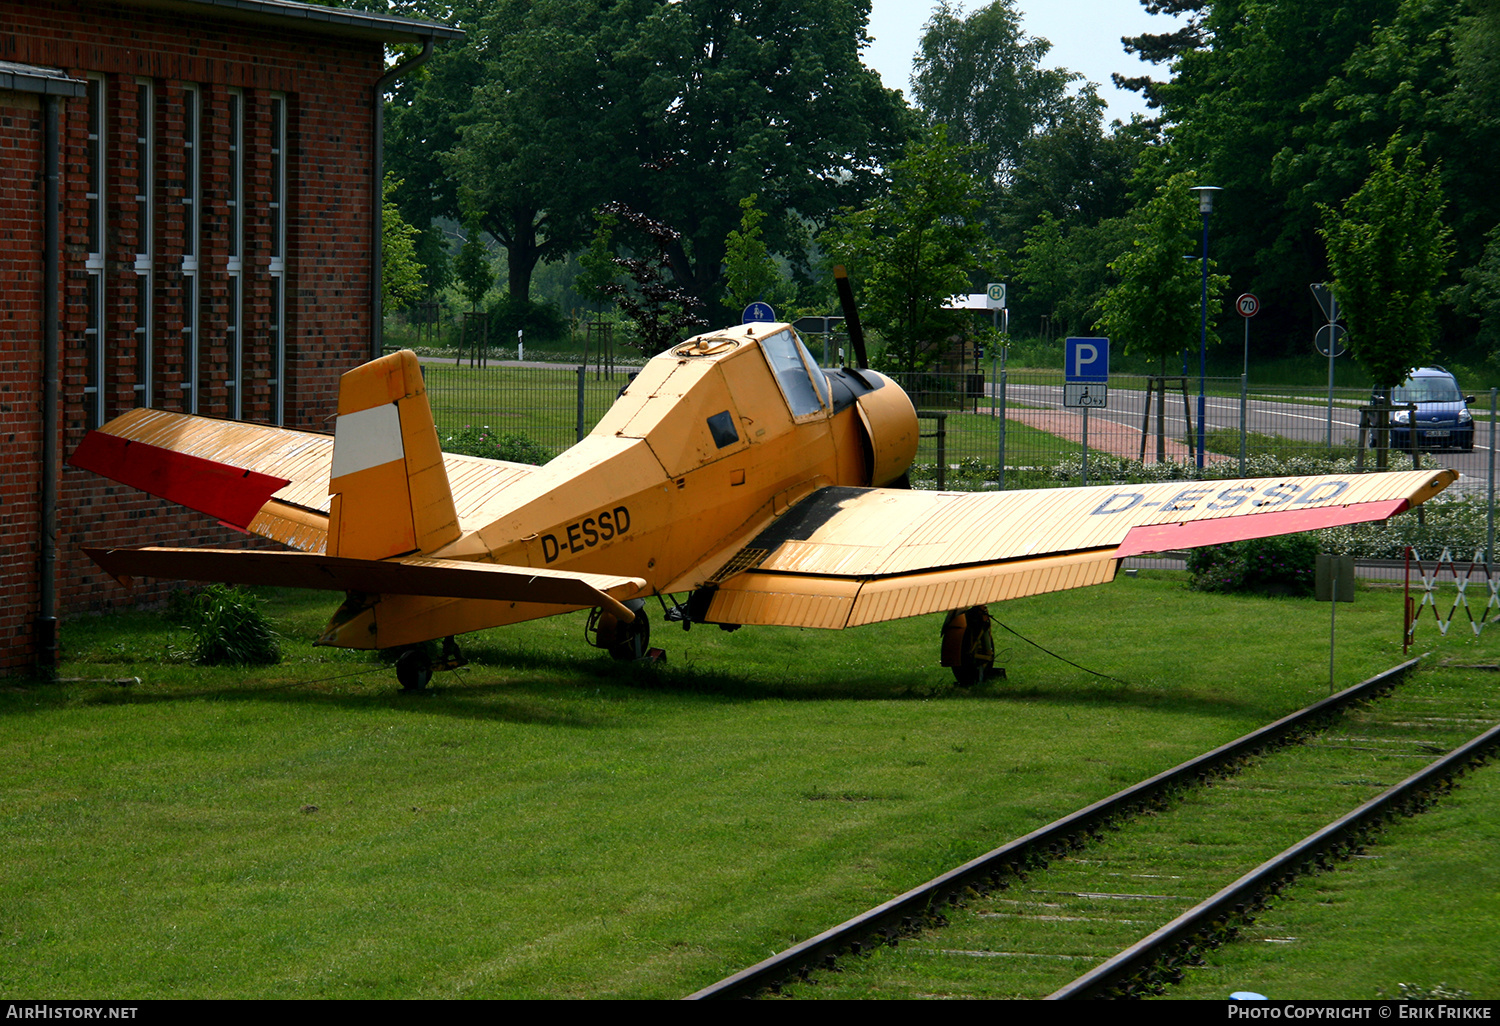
pixel 390 490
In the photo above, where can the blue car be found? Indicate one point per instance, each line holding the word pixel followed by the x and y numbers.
pixel 1442 416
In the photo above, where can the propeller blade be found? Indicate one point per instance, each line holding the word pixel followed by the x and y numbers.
pixel 851 316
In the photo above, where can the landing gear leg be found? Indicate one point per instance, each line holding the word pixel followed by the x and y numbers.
pixel 968 648
pixel 452 658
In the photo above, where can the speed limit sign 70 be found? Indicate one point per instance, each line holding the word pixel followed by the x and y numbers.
pixel 1247 305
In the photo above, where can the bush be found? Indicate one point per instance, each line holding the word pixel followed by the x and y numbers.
pixel 1123 469
pixel 228 627
pixel 1283 565
pixel 1457 523
pixel 513 447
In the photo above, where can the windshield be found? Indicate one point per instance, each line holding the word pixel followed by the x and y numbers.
pixel 791 364
pixel 1427 390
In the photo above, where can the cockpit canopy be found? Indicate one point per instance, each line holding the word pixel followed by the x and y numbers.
pixel 802 381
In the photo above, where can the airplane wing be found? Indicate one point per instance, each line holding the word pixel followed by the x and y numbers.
pixel 264 480
pixel 848 556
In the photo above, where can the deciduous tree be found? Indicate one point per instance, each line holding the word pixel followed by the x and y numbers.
pixel 475 274
pixel 1388 248
pixel 401 271
pixel 981 76
pixel 916 245
pixel 1155 310
pixel 751 273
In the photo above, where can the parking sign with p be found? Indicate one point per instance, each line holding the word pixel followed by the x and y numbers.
pixel 1086 359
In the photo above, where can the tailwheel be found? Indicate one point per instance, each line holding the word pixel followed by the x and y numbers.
pixel 414 668
pixel 968 648
pixel 622 640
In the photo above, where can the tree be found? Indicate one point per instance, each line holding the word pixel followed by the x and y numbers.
pixel 1388 248
pixel 765 97
pixel 1163 47
pixel 751 273
pixel 912 248
pixel 1479 296
pixel 401 271
pixel 1156 309
pixel 547 135
pixel 1064 273
pixel 524 124
pixel 1238 115
pixel 597 270
pixel 1076 173
pixel 432 251
pixel 664 313
pixel 980 75
pixel 472 268
pixel 677 109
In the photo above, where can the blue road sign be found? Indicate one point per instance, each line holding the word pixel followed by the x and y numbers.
pixel 1086 360
pixel 759 313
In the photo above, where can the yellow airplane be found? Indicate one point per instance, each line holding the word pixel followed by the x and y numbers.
pixel 732 471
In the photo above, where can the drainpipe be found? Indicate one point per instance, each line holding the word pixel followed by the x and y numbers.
pixel 46 620
pixel 377 311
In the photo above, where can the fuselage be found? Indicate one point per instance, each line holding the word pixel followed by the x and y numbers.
pixel 708 444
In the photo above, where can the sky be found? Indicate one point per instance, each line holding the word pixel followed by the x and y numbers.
pixel 1085 37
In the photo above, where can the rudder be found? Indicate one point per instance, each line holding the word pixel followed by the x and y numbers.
pixel 389 488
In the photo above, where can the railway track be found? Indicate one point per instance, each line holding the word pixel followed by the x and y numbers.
pixel 1117 898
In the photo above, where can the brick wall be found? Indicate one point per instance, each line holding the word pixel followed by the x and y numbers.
pixel 327 85
pixel 20 362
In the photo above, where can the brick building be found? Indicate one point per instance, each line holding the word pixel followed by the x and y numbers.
pixel 215 164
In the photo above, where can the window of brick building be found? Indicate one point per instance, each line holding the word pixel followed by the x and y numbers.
pixel 190 228
pixel 276 329
pixel 234 350
pixel 93 334
pixel 145 205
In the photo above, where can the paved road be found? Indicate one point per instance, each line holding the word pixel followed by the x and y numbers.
pixel 1270 416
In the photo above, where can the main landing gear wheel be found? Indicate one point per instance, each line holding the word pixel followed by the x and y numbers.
pixel 968 648
pixel 414 668
pixel 624 641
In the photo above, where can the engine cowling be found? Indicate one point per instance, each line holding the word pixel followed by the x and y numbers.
pixel 890 423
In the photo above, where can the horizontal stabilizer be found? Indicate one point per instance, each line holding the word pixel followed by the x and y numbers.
pixel 223 491
pixel 444 578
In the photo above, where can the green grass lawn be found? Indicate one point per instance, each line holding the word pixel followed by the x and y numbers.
pixel 546 823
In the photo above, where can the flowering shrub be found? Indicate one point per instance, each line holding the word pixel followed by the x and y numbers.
pixel 514 447
pixel 1283 565
pixel 1458 524
pixel 1125 470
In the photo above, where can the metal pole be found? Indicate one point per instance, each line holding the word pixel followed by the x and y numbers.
pixel 1332 348
pixel 1000 402
pixel 582 376
pixel 1489 543
pixel 1203 345
pixel 1246 369
pixel 1333 616
pixel 1086 447
pixel 994 405
pixel 46 621
pixel 1244 404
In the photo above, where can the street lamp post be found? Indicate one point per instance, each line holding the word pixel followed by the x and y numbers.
pixel 1205 207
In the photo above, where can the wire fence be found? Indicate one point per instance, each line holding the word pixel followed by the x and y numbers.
pixel 553 404
pixel 989 428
